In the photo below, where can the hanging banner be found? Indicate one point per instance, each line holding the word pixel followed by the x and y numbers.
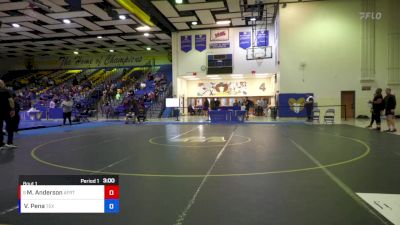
pixel 200 42
pixel 262 38
pixel 292 104
pixel 186 43
pixel 220 45
pixel 245 39
pixel 220 34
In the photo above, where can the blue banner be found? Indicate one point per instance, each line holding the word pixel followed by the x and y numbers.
pixel 262 38
pixel 200 42
pixel 245 39
pixel 292 105
pixel 186 43
pixel 220 45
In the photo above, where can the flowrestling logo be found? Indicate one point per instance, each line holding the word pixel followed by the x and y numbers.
pixel 371 15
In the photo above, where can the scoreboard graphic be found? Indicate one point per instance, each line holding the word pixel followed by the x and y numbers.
pixel 68 194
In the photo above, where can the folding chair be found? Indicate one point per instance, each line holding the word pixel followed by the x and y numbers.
pixel 329 116
pixel 316 115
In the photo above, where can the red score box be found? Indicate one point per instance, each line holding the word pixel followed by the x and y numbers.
pixel 111 192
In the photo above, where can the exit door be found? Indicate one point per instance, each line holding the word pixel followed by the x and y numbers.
pixel 348 101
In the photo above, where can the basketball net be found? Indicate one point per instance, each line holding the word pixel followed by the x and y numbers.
pixel 259 59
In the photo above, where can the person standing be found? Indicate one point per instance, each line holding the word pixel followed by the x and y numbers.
pixel 67 109
pixel 17 107
pixel 377 107
pixel 7 111
pixel 205 106
pixel 217 103
pixel 390 106
pixel 212 104
pixel 309 105
pixel 248 104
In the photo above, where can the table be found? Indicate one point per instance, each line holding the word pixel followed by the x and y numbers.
pixel 227 116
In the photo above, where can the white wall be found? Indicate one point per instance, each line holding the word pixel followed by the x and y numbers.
pixel 326 37
pixel 186 63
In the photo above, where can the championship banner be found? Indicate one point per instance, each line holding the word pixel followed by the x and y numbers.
pixel 220 34
pixel 245 39
pixel 292 105
pixel 200 42
pixel 186 43
pixel 262 38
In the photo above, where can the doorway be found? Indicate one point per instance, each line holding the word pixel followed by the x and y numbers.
pixel 348 100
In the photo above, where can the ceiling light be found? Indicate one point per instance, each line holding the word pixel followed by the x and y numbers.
pixel 212 76
pixel 148 48
pixel 111 50
pixel 194 23
pixel 66 21
pixel 143 28
pixel 76 53
pixel 215 78
pixel 178 1
pixel 146 34
pixel 99 37
pixel 16 25
pixel 223 22
pixel 122 17
pixel 253 19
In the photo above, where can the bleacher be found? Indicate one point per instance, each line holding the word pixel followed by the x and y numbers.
pixel 55 84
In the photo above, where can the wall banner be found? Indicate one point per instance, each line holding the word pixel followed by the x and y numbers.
pixel 186 43
pixel 220 34
pixel 230 88
pixel 200 42
pixel 262 38
pixel 245 39
pixel 220 45
pixel 292 105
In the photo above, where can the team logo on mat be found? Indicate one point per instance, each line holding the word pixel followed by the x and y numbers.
pixel 296 105
pixel 197 139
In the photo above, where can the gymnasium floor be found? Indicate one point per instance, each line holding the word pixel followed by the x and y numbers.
pixel 213 174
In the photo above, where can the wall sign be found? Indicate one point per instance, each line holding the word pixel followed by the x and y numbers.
pixel 245 39
pixel 200 42
pixel 221 88
pixel 186 43
pixel 220 45
pixel 100 61
pixel 220 35
pixel 292 105
pixel 262 38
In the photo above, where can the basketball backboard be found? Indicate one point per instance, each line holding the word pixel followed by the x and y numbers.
pixel 254 53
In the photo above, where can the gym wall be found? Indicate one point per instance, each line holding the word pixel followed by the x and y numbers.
pixel 326 47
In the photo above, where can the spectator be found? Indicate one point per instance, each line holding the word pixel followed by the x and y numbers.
pixel 67 109
pixel 217 103
pixel 205 106
pixel 390 106
pixel 376 109
pixel 7 112
pixel 309 105
pixel 52 104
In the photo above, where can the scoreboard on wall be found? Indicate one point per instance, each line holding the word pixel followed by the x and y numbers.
pixel 68 194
